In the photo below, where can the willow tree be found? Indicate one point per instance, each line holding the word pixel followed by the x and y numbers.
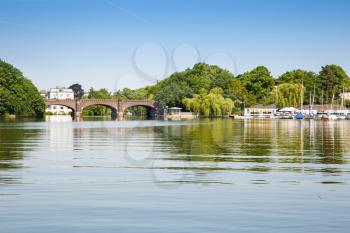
pixel 209 104
pixel 288 95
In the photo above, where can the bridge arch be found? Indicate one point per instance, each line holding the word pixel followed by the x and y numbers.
pixel 65 103
pixel 111 104
pixel 152 106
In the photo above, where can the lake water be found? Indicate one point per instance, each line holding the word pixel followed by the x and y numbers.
pixel 199 176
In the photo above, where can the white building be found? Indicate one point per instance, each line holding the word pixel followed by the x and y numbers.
pixel 260 111
pixel 61 94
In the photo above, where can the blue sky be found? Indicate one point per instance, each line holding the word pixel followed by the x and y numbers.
pixel 113 43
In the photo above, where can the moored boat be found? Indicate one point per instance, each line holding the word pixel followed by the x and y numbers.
pixel 329 116
pixel 299 116
pixel 340 116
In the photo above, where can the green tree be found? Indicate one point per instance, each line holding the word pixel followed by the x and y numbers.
pixel 188 83
pixel 173 94
pixel 308 79
pixel 78 91
pixel 333 79
pixel 127 93
pixel 288 95
pixel 18 95
pixel 239 94
pixel 209 104
pixel 258 83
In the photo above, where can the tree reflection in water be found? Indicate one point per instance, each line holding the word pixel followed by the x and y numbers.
pixel 260 145
pixel 14 142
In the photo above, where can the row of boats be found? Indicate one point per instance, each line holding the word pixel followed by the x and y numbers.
pixel 317 116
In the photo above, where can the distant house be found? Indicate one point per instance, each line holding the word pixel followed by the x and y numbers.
pixel 62 94
pixel 260 111
pixel 175 113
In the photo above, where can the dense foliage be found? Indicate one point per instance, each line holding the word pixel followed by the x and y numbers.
pixel 129 94
pixel 18 95
pixel 254 87
pixel 258 83
pixel 172 90
pixel 310 81
pixel 288 95
pixel 333 80
pixel 210 104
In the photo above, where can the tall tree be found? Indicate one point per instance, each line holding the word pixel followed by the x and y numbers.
pixel 258 83
pixel 308 79
pixel 18 95
pixel 78 91
pixel 333 78
pixel 173 94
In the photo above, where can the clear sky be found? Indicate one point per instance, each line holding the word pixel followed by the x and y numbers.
pixel 118 43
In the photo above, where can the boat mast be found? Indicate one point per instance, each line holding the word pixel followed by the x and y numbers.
pixel 313 97
pixel 332 99
pixel 301 96
pixel 310 107
pixel 342 100
pixel 276 96
pixel 322 103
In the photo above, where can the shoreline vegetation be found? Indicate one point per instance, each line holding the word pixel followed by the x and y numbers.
pixel 18 95
pixel 206 90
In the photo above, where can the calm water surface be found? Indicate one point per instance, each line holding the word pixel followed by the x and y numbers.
pixel 172 176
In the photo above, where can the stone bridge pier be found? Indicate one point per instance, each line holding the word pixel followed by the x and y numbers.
pixel 118 107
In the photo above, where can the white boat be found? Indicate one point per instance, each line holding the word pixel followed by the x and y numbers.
pixel 283 115
pixel 329 116
pixel 340 116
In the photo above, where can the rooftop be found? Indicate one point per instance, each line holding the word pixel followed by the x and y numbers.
pixel 260 106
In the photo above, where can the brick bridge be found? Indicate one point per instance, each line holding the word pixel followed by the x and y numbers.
pixel 117 106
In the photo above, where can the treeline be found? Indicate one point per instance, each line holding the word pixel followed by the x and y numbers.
pixel 205 89
pixel 211 90
pixel 193 89
pixel 18 95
